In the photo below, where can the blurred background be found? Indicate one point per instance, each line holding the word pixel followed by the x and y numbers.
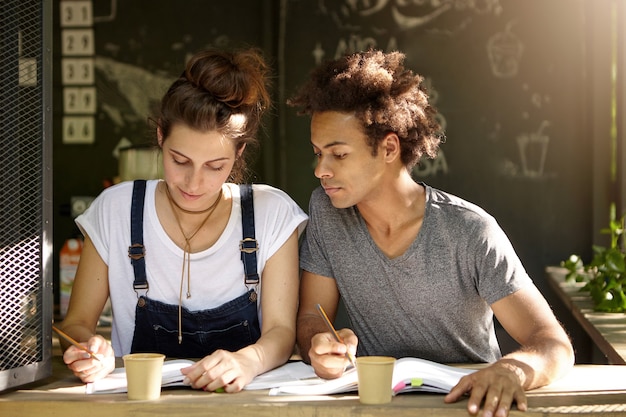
pixel 531 94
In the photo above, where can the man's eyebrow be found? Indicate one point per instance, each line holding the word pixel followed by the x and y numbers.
pixel 331 144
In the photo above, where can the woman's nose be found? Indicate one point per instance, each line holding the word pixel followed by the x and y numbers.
pixel 194 181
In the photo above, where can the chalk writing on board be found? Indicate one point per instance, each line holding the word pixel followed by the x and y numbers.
pixel 431 167
pixel 438 165
pixel 404 14
pixel 359 43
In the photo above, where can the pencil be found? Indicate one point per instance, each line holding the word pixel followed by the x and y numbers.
pixel 74 342
pixel 349 355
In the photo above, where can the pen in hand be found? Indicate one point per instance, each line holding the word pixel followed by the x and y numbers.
pixel 74 342
pixel 349 355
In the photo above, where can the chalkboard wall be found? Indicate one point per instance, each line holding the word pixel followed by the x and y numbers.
pixel 508 76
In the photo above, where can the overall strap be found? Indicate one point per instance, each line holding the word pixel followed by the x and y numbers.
pixel 136 251
pixel 248 245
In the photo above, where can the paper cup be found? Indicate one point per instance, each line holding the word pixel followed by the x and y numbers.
pixel 143 375
pixel 375 374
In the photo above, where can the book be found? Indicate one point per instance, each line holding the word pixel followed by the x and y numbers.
pixel 116 381
pixel 410 374
pixel 290 373
pixel 298 378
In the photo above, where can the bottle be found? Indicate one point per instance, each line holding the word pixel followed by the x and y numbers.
pixel 68 263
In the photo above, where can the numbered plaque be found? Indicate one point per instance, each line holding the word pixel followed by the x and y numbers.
pixel 77 42
pixel 78 129
pixel 76 13
pixel 79 100
pixel 77 71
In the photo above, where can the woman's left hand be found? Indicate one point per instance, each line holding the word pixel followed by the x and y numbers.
pixel 222 370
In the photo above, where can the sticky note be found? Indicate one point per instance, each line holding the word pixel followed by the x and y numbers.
pixel 416 382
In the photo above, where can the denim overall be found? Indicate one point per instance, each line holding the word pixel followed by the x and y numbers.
pixel 231 326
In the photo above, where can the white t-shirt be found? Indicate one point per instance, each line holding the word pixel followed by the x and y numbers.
pixel 217 274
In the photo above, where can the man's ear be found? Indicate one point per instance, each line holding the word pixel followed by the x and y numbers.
pixel 391 147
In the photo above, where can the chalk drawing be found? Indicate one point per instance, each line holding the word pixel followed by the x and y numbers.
pixel 352 15
pixel 111 16
pixel 504 50
pixel 533 149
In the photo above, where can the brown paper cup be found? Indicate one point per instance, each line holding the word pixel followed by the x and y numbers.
pixel 375 374
pixel 143 375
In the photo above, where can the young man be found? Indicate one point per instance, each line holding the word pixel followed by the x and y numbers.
pixel 421 272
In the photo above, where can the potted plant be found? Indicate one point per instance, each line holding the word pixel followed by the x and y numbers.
pixel 605 275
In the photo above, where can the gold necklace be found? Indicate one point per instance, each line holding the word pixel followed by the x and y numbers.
pixel 212 207
pixel 187 250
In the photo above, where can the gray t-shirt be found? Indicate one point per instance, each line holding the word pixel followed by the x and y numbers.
pixel 432 302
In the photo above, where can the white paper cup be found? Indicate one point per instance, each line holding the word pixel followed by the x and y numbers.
pixel 375 374
pixel 143 375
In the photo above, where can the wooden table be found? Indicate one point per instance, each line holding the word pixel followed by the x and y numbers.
pixel 587 391
pixel 606 330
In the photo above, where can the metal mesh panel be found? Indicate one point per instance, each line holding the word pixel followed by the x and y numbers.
pixel 25 290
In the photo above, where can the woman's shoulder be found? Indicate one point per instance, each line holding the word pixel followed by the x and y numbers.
pixel 269 193
pixel 120 194
pixel 126 187
pixel 274 202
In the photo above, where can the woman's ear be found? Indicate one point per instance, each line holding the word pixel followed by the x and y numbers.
pixel 159 137
pixel 240 151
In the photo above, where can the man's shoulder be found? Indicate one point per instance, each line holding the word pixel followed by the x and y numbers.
pixel 318 193
pixel 440 199
pixel 319 199
pixel 320 205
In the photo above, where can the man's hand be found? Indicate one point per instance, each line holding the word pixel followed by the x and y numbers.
pixel 328 356
pixel 498 385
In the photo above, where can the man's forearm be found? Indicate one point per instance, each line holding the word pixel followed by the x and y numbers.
pixel 307 326
pixel 541 364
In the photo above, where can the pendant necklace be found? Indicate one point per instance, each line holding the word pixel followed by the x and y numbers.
pixel 187 249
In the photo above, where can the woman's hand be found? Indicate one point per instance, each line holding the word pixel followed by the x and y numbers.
pixel 84 366
pixel 222 370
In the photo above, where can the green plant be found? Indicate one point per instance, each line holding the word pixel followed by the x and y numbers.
pixel 605 275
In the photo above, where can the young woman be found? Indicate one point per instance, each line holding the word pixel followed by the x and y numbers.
pixel 203 268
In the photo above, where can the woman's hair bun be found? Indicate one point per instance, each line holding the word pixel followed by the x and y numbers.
pixel 235 78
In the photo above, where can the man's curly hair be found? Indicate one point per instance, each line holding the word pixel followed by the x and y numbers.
pixel 384 95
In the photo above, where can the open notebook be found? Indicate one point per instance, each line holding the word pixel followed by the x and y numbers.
pixel 298 378
pixel 410 374
pixel 292 372
pixel 116 380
